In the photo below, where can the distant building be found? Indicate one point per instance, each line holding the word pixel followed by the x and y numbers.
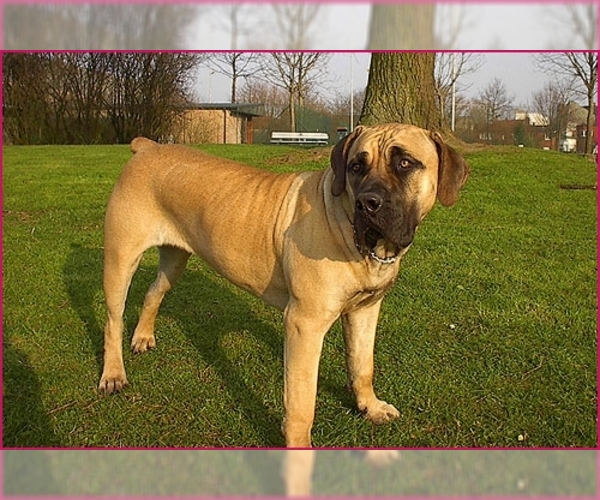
pixel 580 134
pixel 215 123
pixel 532 130
pixel 574 132
pixel 534 119
pixel 526 129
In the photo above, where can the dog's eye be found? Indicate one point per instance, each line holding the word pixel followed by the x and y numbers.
pixel 405 163
pixel 356 168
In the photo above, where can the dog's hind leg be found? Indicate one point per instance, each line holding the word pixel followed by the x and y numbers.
pixel 171 266
pixel 119 268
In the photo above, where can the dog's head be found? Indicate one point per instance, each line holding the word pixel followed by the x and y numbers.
pixel 392 174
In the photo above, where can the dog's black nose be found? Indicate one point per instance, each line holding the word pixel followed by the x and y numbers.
pixel 369 202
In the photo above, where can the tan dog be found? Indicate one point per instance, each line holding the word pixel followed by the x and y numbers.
pixel 298 468
pixel 317 245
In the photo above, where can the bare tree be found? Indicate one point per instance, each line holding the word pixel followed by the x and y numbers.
pixel 466 117
pixel 578 22
pixel 496 100
pixel 449 67
pixel 235 12
pixel 295 24
pixel 583 68
pixel 258 26
pixel 340 104
pixel 552 102
pixel 54 98
pixel 87 79
pixel 96 26
pixel 25 106
pixel 451 21
pixel 475 120
pixel 234 65
pixel 238 20
pixel 274 99
pixel 298 73
pixel 147 90
pixel 585 22
pixel 75 97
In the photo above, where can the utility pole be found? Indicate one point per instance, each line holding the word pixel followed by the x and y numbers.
pixel 351 93
pixel 453 110
pixel 453 91
pixel 210 86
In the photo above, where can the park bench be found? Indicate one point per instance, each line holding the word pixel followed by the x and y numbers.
pixel 302 138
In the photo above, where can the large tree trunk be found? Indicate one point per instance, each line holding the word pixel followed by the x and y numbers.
pixel 402 26
pixel 401 88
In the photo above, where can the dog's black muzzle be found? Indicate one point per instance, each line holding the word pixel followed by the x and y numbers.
pixel 383 228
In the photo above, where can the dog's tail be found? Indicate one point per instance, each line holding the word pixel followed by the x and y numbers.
pixel 141 144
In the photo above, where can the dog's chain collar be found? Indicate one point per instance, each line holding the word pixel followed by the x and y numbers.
pixel 387 260
pixel 371 254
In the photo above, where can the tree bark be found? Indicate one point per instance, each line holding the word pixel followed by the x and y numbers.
pixel 590 123
pixel 402 26
pixel 401 88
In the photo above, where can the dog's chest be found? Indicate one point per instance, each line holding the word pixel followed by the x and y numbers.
pixel 372 290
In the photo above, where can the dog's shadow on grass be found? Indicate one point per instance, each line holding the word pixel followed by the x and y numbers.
pixel 82 276
pixel 198 294
pixel 25 421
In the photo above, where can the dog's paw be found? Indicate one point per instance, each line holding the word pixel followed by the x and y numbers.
pixel 141 343
pixel 381 412
pixel 381 457
pixel 109 384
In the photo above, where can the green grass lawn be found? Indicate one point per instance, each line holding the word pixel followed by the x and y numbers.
pixel 252 473
pixel 488 338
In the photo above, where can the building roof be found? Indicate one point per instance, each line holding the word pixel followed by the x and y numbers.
pixel 534 119
pixel 538 120
pixel 240 108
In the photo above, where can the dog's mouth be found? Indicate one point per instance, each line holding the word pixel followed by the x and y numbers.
pixel 372 243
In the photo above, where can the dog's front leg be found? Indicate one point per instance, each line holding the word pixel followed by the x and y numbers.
pixel 359 333
pixel 304 334
pixel 297 472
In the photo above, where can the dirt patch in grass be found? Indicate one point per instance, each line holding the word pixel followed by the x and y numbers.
pixel 317 155
pixel 588 187
pixel 21 216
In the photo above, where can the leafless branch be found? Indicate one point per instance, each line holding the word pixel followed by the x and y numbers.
pixel 295 24
pixel 234 65
pixel 298 73
pixel 573 26
pixel 496 99
pixel 96 26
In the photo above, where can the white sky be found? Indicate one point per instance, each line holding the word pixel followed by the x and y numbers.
pixel 343 27
pixel 515 69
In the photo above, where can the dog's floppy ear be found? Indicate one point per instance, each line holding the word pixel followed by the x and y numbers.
pixel 453 172
pixel 339 158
